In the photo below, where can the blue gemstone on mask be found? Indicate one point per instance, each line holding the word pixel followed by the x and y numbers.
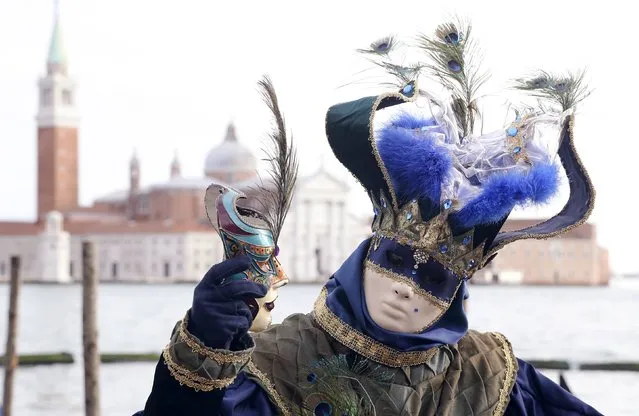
pixel 471 264
pixel 376 211
pixel 414 272
pixel 408 90
pixel 517 150
pixel 448 203
pixel 512 131
pixel 409 216
pixel 323 409
pixel 383 203
pixel 443 248
pixel 311 378
pixel 466 240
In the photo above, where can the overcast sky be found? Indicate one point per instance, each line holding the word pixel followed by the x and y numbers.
pixel 165 75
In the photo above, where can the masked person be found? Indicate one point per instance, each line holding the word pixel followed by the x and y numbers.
pixel 388 334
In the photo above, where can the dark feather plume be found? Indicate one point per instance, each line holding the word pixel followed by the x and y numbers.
pixel 276 196
pixel 566 91
pixel 454 62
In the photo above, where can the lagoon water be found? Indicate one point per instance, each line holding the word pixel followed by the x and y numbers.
pixel 575 323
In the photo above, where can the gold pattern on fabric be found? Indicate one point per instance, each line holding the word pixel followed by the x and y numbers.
pixel 193 364
pixel 219 356
pixel 371 136
pixel 509 379
pixel 192 379
pixel 363 344
pixel 433 237
pixel 270 388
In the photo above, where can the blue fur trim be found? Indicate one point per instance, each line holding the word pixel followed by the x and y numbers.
pixel 416 164
pixel 409 121
pixel 501 193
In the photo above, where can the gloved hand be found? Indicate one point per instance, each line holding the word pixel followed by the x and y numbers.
pixel 219 315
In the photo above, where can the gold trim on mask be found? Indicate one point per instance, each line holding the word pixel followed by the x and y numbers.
pixel 410 282
pixel 432 238
pixel 363 344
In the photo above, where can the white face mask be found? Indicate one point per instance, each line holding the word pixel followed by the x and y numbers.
pixel 398 306
pixel 265 305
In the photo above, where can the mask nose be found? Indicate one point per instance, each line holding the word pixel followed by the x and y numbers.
pixel 402 291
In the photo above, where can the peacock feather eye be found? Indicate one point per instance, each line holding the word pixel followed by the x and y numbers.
pixel 454 66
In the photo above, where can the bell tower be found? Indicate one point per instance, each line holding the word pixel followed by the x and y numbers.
pixel 58 122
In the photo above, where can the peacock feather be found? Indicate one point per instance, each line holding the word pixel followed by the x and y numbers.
pixel 276 196
pixel 454 62
pixel 565 91
pixel 379 53
pixel 381 47
pixel 342 386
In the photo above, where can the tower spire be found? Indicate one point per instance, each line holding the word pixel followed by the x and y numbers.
pixel 176 170
pixel 58 121
pixel 57 58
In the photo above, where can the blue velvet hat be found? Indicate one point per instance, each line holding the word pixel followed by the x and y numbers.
pixel 441 192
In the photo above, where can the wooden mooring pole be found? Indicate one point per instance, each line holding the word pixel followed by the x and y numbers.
pixel 11 356
pixel 90 331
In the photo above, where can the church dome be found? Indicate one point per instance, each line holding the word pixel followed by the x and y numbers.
pixel 230 161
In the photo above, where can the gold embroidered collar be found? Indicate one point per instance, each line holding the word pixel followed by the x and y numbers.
pixel 363 344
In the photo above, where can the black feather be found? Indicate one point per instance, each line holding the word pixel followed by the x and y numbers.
pixel 276 196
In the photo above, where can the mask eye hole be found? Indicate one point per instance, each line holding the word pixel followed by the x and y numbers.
pixel 269 306
pixel 395 259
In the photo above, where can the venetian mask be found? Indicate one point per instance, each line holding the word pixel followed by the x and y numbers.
pixel 244 231
pixel 403 295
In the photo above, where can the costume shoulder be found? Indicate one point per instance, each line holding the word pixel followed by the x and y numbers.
pixel 281 354
pixel 480 376
pixel 535 395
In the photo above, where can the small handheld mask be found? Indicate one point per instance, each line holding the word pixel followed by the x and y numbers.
pixel 245 230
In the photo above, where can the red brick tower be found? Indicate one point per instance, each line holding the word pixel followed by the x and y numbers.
pixel 57 132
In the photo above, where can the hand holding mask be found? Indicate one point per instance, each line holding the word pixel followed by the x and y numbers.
pixel 244 230
pixel 245 234
pixel 220 316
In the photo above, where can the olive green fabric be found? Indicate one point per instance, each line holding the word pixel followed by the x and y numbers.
pixel 204 368
pixel 473 377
